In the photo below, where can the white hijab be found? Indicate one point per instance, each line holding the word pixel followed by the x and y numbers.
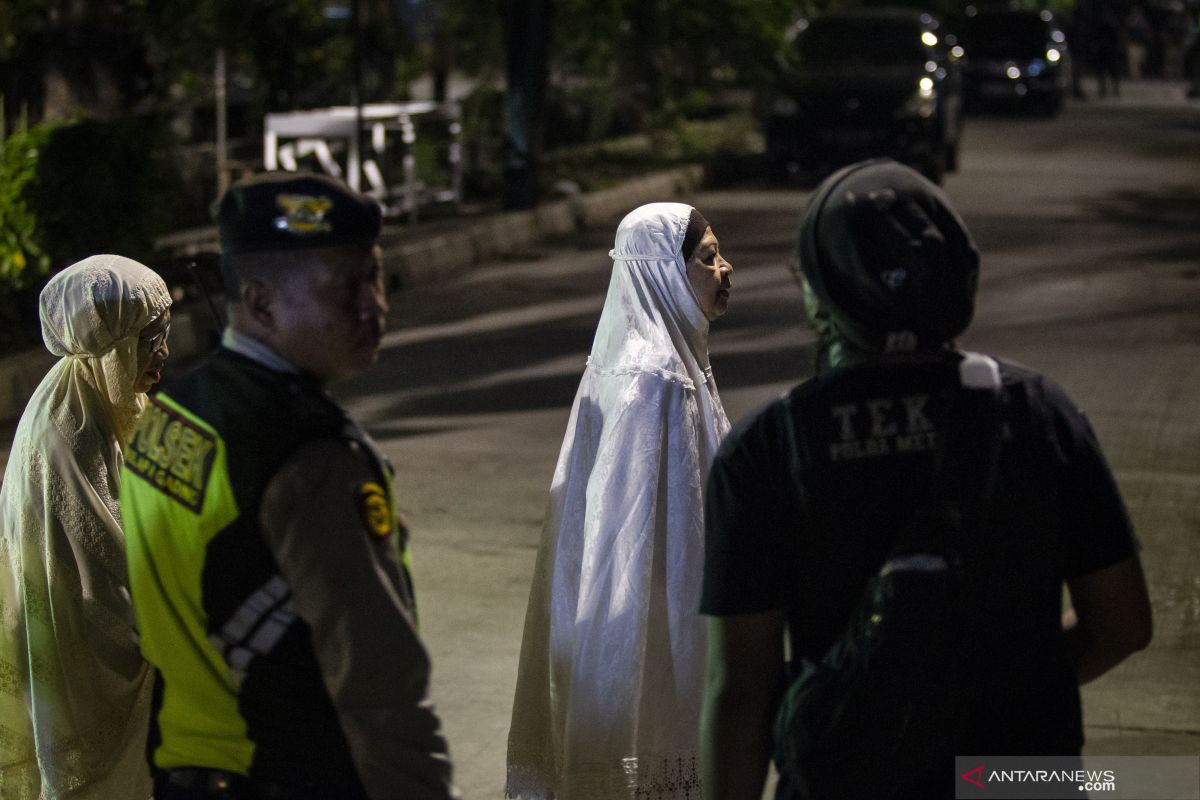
pixel 652 321
pixel 612 660
pixel 74 691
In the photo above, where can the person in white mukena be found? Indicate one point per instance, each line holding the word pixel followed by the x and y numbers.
pixel 612 661
pixel 74 691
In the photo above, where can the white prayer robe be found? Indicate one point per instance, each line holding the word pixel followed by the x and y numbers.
pixel 612 662
pixel 74 690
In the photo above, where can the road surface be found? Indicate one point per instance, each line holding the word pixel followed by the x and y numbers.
pixel 1089 227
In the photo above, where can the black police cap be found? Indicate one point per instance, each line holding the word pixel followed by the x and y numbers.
pixel 888 257
pixel 281 211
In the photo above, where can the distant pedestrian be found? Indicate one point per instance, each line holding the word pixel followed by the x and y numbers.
pixel 1107 49
pixel 267 561
pixel 1078 25
pixel 1137 40
pixel 612 661
pixel 1177 28
pixel 74 690
pixel 807 500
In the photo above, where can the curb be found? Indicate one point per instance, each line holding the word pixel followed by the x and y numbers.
pixel 433 259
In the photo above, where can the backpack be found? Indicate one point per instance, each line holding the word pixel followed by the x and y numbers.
pixel 881 703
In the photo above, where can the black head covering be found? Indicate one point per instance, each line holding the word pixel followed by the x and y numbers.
pixel 887 257
pixel 697 224
pixel 279 211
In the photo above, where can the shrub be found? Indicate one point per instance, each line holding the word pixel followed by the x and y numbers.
pixel 22 259
pixel 104 187
pixel 70 190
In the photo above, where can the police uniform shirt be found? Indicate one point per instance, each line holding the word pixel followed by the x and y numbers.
pixel 806 497
pixel 278 609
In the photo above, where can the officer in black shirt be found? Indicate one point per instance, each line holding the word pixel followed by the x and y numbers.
pixel 806 498
pixel 267 563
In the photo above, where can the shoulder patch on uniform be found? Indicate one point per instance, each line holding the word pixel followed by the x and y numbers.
pixel 373 505
pixel 172 454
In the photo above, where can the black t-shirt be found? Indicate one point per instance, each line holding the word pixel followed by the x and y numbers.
pixel 806 498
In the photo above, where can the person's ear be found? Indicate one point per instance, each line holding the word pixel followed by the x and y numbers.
pixel 258 302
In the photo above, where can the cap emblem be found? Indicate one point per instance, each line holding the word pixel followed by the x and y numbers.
pixel 303 214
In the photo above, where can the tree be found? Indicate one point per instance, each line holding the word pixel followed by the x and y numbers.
pixel 298 54
pixel 66 58
pixel 104 58
pixel 528 25
pixel 615 66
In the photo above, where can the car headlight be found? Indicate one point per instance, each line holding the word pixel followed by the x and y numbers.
pixel 785 107
pixel 923 102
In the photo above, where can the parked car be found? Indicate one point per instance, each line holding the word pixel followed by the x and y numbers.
pixel 1015 58
pixel 867 83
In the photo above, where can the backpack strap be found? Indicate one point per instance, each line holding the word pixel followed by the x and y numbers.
pixel 965 464
pixel 970 450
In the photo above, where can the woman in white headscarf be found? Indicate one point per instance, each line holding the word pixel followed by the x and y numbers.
pixel 74 691
pixel 612 661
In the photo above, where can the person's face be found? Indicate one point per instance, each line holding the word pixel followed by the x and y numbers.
pixel 152 352
pixel 330 315
pixel 708 273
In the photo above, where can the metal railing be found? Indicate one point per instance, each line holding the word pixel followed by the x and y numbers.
pixel 388 170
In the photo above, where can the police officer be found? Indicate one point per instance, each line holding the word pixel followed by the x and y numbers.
pixel 266 557
pixel 806 498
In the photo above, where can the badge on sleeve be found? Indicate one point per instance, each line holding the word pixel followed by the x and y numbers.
pixel 373 505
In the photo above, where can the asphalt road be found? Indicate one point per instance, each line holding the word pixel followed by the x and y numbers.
pixel 1089 227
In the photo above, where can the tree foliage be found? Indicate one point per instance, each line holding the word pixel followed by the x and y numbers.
pixel 618 65
pixel 160 53
pixel 70 190
pixel 22 258
pixel 618 61
pixel 59 57
pixel 59 200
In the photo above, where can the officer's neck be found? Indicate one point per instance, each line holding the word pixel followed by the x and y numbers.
pixel 244 343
